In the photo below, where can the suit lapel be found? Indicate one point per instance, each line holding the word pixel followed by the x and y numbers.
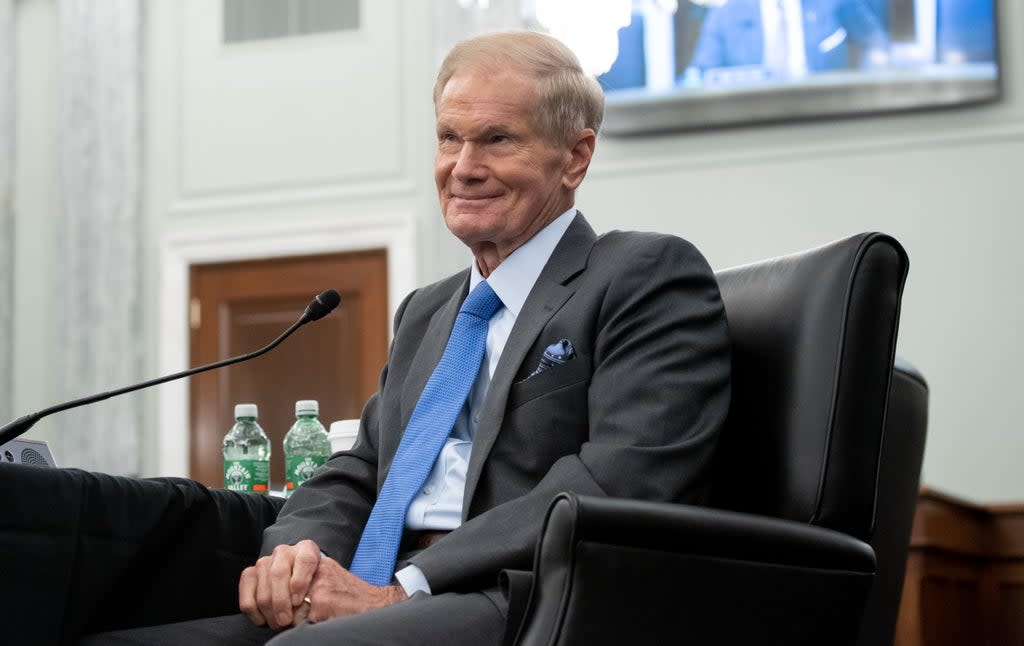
pixel 429 354
pixel 550 292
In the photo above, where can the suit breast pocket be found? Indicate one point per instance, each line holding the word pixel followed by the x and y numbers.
pixel 547 418
pixel 550 382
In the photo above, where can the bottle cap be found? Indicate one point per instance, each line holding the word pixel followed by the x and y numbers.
pixel 307 407
pixel 245 410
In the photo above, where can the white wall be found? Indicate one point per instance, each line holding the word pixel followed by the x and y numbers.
pixel 36 204
pixel 946 184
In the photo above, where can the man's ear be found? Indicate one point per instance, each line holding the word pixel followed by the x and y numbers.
pixel 581 151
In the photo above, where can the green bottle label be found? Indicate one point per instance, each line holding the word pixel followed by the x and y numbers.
pixel 247 475
pixel 300 468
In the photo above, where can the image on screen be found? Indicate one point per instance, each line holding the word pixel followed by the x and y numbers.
pixel 704 63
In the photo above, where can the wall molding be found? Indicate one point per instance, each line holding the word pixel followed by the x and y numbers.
pixel 178 252
pixel 396 180
pixel 1004 133
pixel 290 196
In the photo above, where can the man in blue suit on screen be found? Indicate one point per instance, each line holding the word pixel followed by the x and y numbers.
pixel 786 39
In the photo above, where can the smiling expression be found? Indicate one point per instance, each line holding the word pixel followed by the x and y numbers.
pixel 498 179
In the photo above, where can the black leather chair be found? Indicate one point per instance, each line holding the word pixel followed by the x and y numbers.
pixel 786 553
pixel 898 483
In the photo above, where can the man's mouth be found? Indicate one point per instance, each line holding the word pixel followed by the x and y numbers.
pixel 473 198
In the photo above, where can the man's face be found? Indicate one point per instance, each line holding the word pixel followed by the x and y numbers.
pixel 499 181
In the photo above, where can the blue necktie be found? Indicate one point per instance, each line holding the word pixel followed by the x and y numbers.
pixel 431 422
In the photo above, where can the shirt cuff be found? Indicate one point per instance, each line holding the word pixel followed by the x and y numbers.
pixel 412 580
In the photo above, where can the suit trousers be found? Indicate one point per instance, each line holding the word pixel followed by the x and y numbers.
pixel 157 561
pixel 474 619
pixel 88 552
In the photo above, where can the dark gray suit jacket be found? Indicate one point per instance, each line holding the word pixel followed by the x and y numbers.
pixel 635 414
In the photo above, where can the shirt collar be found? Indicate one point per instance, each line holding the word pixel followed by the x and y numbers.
pixel 513 279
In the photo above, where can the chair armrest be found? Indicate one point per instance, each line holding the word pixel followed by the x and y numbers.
pixel 700 530
pixel 612 571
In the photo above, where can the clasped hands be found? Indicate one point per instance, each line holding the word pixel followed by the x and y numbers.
pixel 273 592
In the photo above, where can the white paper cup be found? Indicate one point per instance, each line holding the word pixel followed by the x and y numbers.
pixel 343 434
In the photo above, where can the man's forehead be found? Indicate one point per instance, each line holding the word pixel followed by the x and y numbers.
pixel 485 80
pixel 484 100
pixel 481 116
pixel 481 123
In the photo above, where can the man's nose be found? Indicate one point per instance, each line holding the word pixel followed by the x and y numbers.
pixel 469 164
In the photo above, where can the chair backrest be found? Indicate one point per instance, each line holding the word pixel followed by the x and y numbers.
pixel 906 425
pixel 814 336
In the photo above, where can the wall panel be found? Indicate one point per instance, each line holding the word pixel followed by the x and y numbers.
pixel 298 113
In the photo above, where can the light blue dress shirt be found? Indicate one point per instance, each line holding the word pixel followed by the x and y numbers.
pixel 438 506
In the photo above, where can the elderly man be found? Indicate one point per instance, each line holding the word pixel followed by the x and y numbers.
pixel 558 361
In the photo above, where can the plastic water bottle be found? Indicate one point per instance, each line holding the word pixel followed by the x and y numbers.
pixel 306 446
pixel 246 453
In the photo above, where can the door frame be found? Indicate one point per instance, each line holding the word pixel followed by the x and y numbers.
pixel 178 251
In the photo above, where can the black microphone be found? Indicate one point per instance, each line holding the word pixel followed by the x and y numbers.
pixel 321 306
pixel 316 310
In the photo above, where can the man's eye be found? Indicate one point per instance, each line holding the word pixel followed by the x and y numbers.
pixel 497 139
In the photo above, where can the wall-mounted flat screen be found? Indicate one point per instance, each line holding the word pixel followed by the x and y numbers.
pixel 689 64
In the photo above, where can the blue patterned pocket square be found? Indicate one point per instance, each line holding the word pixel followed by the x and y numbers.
pixel 555 355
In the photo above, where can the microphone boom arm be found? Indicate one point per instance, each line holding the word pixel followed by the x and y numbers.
pixel 316 310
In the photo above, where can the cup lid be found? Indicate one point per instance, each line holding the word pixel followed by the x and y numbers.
pixel 345 427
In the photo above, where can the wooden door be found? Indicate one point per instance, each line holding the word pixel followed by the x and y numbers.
pixel 239 307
